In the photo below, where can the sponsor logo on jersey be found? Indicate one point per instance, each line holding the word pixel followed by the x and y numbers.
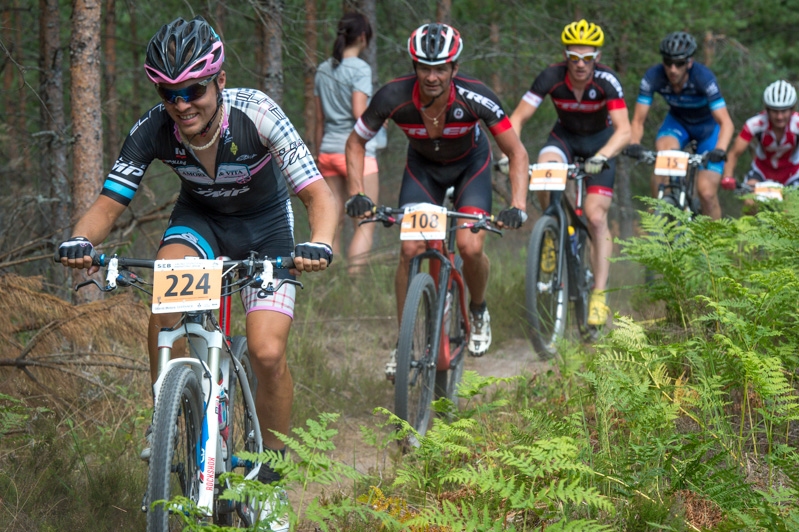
pixel 458 113
pixel 488 103
pixel 712 88
pixel 246 157
pixel 173 162
pixel 195 174
pixel 232 173
pixel 180 153
pixel 123 168
pixel 610 78
pixel 584 107
pixel 277 112
pixel 189 237
pixel 224 193
pixel 296 150
pixel 233 148
pixel 249 95
pixel 645 86
pixel 592 94
pixel 417 132
pixel 143 119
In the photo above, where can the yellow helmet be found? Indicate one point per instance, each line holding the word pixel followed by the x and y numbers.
pixel 583 33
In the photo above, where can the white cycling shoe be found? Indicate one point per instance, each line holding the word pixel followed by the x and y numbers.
pixel 480 339
pixel 391 366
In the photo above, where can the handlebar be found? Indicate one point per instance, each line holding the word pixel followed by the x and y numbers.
pixel 649 157
pixel 251 270
pixel 389 216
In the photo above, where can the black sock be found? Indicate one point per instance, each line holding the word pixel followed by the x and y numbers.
pixel 267 475
pixel 478 309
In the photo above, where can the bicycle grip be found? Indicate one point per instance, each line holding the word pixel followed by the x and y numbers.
pixel 284 262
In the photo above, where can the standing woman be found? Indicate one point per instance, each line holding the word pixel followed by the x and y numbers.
pixel 343 86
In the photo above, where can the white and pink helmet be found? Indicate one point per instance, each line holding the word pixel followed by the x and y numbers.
pixel 184 50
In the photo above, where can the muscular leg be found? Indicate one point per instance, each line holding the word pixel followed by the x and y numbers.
pixel 338 185
pixel 160 321
pixel 596 211
pixel 476 265
pixel 362 238
pixel 707 186
pixel 267 335
pixel 410 248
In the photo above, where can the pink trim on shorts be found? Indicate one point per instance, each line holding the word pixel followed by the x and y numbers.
pixel 281 301
pixel 335 164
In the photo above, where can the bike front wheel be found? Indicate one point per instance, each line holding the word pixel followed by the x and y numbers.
pixel 416 369
pixel 174 462
pixel 546 287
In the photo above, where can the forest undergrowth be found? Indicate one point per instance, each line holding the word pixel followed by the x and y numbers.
pixel 684 422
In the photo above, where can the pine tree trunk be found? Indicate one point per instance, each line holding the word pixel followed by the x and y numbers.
pixel 444 11
pixel 311 45
pixel 269 17
pixel 111 95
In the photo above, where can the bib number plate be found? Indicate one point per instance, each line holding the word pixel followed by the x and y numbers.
pixel 671 162
pixel 548 176
pixel 424 221
pixel 186 285
pixel 768 190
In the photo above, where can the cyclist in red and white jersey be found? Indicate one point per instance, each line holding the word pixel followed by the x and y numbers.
pixel 592 123
pixel 774 136
pixel 439 111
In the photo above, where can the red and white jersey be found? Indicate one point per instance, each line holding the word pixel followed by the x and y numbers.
pixel 774 159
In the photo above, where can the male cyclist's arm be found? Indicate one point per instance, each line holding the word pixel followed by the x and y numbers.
pixel 621 133
pixel 523 112
pixel 637 125
pixel 508 141
pixel 738 147
pixel 726 127
pixel 355 150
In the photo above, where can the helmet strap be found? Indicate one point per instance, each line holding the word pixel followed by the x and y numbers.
pixel 204 131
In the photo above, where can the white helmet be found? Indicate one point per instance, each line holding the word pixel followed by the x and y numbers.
pixel 779 95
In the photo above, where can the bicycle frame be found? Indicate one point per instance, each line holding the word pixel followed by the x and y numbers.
pixel 441 258
pixel 683 186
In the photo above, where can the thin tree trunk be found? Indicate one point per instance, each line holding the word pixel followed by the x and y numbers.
pixel 496 79
pixel 269 14
pixel 311 44
pixel 87 118
pixel 135 52
pixel 369 9
pixel 11 111
pixel 444 11
pixel 111 95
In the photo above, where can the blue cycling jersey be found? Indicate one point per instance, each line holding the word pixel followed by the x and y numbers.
pixel 698 98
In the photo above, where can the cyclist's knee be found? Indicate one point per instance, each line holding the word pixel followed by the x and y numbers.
pixel 411 248
pixel 269 359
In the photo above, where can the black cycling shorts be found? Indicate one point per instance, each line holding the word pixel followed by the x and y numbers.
pixel 569 145
pixel 426 181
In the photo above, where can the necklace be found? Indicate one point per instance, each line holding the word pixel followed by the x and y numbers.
pixel 211 142
pixel 434 118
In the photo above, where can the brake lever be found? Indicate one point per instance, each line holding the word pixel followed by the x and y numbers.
pixel 266 292
pixel 95 283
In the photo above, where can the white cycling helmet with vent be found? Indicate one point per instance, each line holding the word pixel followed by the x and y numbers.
pixel 779 95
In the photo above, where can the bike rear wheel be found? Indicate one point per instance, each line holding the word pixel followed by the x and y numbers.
pixel 447 381
pixel 581 283
pixel 416 371
pixel 174 464
pixel 546 292
pixel 241 432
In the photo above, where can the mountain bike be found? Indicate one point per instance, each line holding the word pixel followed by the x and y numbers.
pixel 558 262
pixel 764 191
pixel 204 403
pixel 681 168
pixel 430 360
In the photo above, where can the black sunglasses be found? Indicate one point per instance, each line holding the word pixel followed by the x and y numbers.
pixel 187 94
pixel 679 63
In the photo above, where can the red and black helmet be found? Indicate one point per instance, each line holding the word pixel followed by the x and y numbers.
pixel 435 44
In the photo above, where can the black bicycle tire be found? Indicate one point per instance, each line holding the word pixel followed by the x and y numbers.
pixel 240 420
pixel 544 342
pixel 456 330
pixel 421 296
pixel 581 269
pixel 180 397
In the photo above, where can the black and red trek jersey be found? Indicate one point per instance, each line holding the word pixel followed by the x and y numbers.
pixel 587 116
pixel 469 101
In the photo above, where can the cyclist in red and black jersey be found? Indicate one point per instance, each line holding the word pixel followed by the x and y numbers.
pixel 592 123
pixel 439 111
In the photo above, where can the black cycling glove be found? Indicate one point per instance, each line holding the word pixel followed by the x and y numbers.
pixel 512 217
pixel 358 205
pixel 314 251
pixel 716 155
pixel 634 150
pixel 76 247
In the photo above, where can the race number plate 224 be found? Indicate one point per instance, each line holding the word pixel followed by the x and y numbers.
pixel 186 285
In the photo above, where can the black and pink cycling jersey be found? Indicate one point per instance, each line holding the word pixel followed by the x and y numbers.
pixel 260 155
pixel 586 116
pixel 468 102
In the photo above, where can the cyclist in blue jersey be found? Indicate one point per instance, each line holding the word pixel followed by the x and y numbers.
pixel 697 112
pixel 237 156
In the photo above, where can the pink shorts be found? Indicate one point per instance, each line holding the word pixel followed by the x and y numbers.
pixel 281 301
pixel 333 164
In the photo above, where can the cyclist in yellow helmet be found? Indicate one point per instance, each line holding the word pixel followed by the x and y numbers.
pixel 592 123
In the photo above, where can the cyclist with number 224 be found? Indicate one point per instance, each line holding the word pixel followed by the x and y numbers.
pixel 593 124
pixel 236 154
pixel 697 112
pixel 438 109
